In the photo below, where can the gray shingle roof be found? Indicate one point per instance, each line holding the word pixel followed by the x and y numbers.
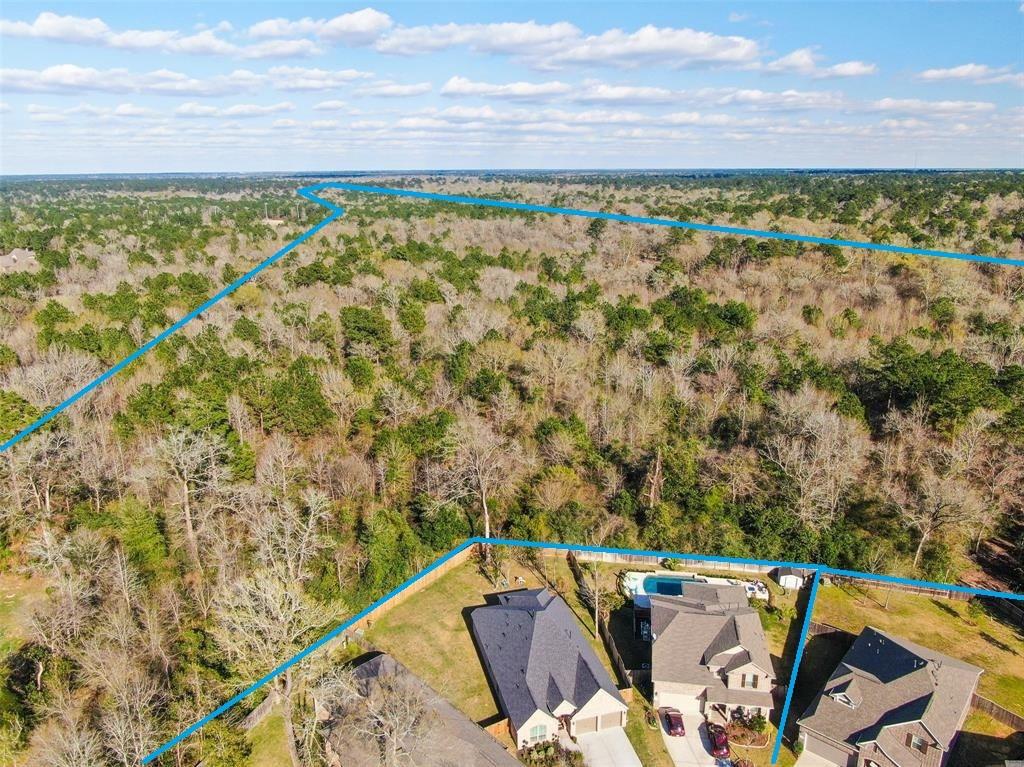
pixel 450 738
pixel 535 655
pixel 896 682
pixel 694 631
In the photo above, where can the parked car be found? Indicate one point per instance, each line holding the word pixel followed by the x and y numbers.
pixel 673 721
pixel 719 740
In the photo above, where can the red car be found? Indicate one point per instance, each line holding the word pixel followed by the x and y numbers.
pixel 719 740
pixel 673 721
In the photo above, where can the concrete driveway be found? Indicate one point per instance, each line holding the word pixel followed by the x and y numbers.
pixel 810 759
pixel 608 748
pixel 692 749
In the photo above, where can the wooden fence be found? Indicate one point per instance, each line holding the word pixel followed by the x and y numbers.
pixel 647 560
pixel 414 588
pixel 997 712
pixel 815 629
pixel 627 676
pixel 255 716
pixel 1012 611
pixel 906 588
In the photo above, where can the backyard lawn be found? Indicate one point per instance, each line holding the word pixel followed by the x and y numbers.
pixel 18 597
pixel 955 628
pixel 269 748
pixel 429 632
pixel 986 741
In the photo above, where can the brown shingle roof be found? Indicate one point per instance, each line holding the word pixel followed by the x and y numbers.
pixel 896 682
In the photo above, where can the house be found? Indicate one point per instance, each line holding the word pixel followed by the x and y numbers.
pixel 395 707
pixel 18 260
pixel 791 577
pixel 709 652
pixel 889 703
pixel 544 672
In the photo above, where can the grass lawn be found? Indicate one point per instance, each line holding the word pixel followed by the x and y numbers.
pixel 268 742
pixel 429 632
pixel 986 741
pixel 648 743
pixel 762 757
pixel 949 626
pixel 18 597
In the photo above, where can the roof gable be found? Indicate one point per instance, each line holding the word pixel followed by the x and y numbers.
pixel 536 656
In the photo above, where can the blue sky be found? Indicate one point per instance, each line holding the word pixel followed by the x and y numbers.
pixel 290 86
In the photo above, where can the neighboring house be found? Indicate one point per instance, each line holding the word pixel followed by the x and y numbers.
pixel 791 577
pixel 544 672
pixel 889 703
pixel 431 730
pixel 709 652
pixel 18 260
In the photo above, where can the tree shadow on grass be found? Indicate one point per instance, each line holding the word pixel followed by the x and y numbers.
pixel 974 749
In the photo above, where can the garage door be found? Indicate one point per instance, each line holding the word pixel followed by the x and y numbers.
pixel 828 751
pixel 583 726
pixel 687 704
pixel 611 720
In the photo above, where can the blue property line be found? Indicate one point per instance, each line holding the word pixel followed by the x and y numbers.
pixel 336 211
pixel 819 570
pixel 50 414
pixel 300 655
pixel 624 218
pixel 808 611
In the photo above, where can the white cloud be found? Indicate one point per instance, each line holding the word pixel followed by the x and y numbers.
pixel 52 114
pixel 848 69
pixel 82 31
pixel 358 28
pixel 517 91
pixel 4 107
pixel 770 100
pixel 390 89
pixel 520 38
pixel 303 79
pixel 597 92
pixel 73 78
pixel 982 74
pixel 676 48
pixel 805 61
pixel 736 17
pixel 330 106
pixel 193 109
pixel 922 106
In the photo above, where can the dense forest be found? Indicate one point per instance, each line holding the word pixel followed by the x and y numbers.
pixel 421 372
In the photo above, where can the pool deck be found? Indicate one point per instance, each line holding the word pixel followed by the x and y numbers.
pixel 633 584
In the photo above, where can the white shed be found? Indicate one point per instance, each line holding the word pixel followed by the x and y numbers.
pixel 791 577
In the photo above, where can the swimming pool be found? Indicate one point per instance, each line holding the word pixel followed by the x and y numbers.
pixel 666 585
pixel 638 586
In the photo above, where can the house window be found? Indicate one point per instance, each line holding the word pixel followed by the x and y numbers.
pixel 748 680
pixel 538 732
pixel 917 743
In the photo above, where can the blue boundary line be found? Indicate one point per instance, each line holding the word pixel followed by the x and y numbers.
pixel 231 702
pixel 819 570
pixel 336 211
pixel 808 611
pixel 227 290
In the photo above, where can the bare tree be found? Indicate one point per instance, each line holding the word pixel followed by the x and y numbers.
pixel 923 479
pixel 486 459
pixel 391 710
pixel 193 461
pixel 821 452
pixel 261 619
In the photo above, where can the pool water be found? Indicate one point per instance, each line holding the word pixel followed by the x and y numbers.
pixel 665 585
